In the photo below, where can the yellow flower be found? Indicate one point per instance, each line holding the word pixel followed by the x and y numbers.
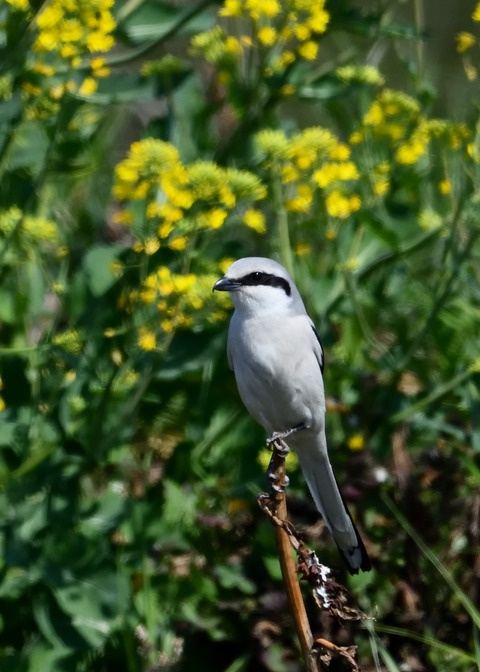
pixel 267 35
pixel 179 243
pixel 464 41
pixel 68 340
pixel 231 8
pixel 2 404
pixel 308 50
pixel 355 138
pixel 273 143
pixel 429 219
pixel 380 186
pixel 289 173
pixel 101 72
pixel 167 326
pixel 117 268
pixel 330 172
pixel 319 19
pixel 43 69
pixel 352 264
pixel 151 246
pixel 89 86
pixel 122 217
pixel 40 228
pixel 341 206
pixel 165 229
pixel 340 152
pixel 288 90
pixel 246 40
pixel 31 89
pixel 97 40
pixel 356 442
pixel 301 249
pixel 374 116
pixel 302 32
pixel 255 220
pixel 445 187
pixel 233 46
pixel 471 72
pixel 215 218
pixel 268 8
pixel 303 200
pixel 19 4
pixel 476 13
pixel 184 282
pixel 225 263
pixel 286 58
pixel 97 63
pixel 146 339
pixel 409 152
pixel 56 92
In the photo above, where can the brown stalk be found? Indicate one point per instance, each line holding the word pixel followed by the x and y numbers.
pixel 328 594
pixel 287 562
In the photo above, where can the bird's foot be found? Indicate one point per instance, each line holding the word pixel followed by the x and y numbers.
pixel 278 437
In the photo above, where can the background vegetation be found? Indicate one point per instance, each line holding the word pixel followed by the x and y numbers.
pixel 144 145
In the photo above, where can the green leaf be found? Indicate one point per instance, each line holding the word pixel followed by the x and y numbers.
pixel 232 577
pixel 152 20
pixel 30 148
pixel 15 582
pixel 98 267
pixel 8 304
pixel 104 514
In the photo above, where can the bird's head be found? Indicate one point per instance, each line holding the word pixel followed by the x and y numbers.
pixel 260 284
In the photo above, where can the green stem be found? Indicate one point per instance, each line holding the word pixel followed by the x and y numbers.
pixel 446 649
pixel 151 46
pixel 377 263
pixel 437 394
pixel 440 300
pixel 419 25
pixel 282 222
pixel 459 594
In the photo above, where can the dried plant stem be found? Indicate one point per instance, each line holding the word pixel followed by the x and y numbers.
pixel 288 567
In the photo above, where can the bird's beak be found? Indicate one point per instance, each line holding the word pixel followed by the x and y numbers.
pixel 226 285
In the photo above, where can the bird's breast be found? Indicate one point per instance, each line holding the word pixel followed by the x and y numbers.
pixel 278 376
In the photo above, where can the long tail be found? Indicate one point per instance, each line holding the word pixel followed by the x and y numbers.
pixel 321 481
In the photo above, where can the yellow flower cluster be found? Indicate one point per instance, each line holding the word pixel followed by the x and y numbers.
pixel 178 299
pixel 396 118
pixel 33 228
pixel 310 161
pixel 74 28
pixel 283 31
pixel 181 200
pixel 69 340
pixel 364 74
pixel 465 42
pixel 67 34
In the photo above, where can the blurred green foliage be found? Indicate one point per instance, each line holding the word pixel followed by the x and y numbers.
pixel 144 145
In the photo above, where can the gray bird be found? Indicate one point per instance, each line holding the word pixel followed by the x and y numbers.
pixel 277 358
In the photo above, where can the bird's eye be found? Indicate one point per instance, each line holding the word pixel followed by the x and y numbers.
pixel 257 275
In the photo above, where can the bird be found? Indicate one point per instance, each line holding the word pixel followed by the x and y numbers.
pixel 275 353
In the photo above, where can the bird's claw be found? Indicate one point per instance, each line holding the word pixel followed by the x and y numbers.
pixel 278 439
